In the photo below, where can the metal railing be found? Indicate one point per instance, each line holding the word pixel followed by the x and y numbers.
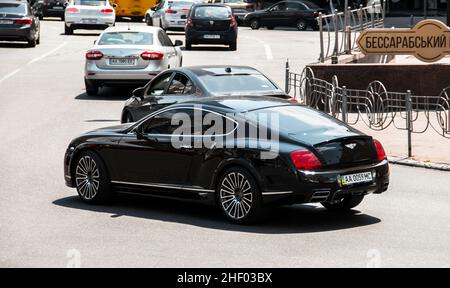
pixel 339 30
pixel 375 106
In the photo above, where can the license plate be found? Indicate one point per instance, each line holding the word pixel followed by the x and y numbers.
pixel 211 36
pixel 182 22
pixel 356 178
pixel 122 61
pixel 90 21
pixel 57 7
pixel 6 22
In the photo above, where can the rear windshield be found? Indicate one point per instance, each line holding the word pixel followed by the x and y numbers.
pixel 214 12
pixel 12 8
pixel 301 122
pixel 180 3
pixel 233 84
pixel 90 2
pixel 126 38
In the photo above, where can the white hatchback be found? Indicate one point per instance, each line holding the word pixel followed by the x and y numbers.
pixel 88 14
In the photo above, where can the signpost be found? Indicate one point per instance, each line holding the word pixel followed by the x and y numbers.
pixel 428 40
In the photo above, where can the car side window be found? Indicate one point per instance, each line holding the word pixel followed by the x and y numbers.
pixel 279 7
pixel 161 123
pixel 158 86
pixel 292 6
pixel 180 85
pixel 167 40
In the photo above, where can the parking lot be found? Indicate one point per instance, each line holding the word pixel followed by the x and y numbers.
pixel 42 222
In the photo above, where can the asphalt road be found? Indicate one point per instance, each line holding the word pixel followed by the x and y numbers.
pixel 42 223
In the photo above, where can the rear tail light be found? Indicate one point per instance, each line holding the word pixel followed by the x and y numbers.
pixel 24 21
pixel 293 100
pixel 107 11
pixel 152 55
pixel 189 22
pixel 232 21
pixel 170 11
pixel 185 9
pixel 305 160
pixel 94 55
pixel 72 10
pixel 381 154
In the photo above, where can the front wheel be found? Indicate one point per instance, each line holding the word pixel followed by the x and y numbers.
pixel 301 25
pixel 238 196
pixel 188 45
pixel 68 30
pixel 91 178
pixel 345 204
pixel 148 20
pixel 32 42
pixel 91 88
pixel 255 24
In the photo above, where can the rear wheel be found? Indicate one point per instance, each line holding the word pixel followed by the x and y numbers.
pixel 238 196
pixel 68 30
pixel 233 46
pixel 345 204
pixel 91 178
pixel 301 25
pixel 148 20
pixel 270 27
pixel 255 24
pixel 32 42
pixel 91 87
pixel 188 45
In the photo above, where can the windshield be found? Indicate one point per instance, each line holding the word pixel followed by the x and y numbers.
pixel 12 8
pixel 126 38
pixel 215 12
pixel 237 84
pixel 180 3
pixel 90 2
pixel 310 5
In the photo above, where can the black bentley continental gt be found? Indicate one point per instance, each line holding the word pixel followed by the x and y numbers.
pixel 303 156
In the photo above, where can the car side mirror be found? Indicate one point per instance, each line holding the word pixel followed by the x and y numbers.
pixel 114 5
pixel 178 43
pixel 139 92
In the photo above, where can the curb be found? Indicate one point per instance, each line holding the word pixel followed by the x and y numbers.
pixel 414 163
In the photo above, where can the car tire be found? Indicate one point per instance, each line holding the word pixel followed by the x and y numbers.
pixel 188 45
pixel 68 30
pixel 233 46
pixel 91 88
pixel 346 204
pixel 270 27
pixel 91 178
pixel 127 117
pixel 63 18
pixel 301 25
pixel 148 20
pixel 238 196
pixel 32 42
pixel 38 40
pixel 41 17
pixel 255 24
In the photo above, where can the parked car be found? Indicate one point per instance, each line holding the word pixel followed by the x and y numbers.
pixel 88 14
pixel 240 8
pixel 211 24
pixel 51 8
pixel 299 14
pixel 18 22
pixel 169 14
pixel 129 55
pixel 190 83
pixel 319 159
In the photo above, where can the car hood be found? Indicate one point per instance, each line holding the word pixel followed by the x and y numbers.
pixel 112 129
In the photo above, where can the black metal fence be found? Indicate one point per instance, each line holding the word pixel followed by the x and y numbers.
pixel 375 106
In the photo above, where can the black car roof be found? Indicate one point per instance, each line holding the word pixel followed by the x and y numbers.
pixel 14 1
pixel 236 104
pixel 218 70
pixel 208 4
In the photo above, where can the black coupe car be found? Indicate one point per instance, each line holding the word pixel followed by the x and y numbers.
pixel 19 22
pixel 190 83
pixel 299 14
pixel 317 158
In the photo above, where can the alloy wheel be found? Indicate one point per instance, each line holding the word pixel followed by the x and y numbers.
pixel 87 177
pixel 236 195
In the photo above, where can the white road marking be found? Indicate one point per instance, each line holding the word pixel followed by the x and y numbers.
pixel 269 55
pixel 47 54
pixel 9 75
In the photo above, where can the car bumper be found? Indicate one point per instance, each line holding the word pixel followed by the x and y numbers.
pixel 198 37
pixel 325 186
pixel 86 22
pixel 174 23
pixel 23 33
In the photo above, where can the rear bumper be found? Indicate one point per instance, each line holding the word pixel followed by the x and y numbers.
pixel 23 33
pixel 325 186
pixel 80 22
pixel 198 37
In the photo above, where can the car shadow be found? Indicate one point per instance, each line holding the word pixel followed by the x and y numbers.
pixel 14 45
pixel 280 220
pixel 109 94
pixel 81 34
pixel 208 48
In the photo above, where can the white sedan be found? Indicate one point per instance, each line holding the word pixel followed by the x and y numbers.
pixel 131 55
pixel 88 14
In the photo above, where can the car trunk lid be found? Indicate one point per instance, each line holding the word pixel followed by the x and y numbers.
pixel 125 57
pixel 207 25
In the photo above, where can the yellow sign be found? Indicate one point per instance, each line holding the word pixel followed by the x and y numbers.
pixel 428 41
